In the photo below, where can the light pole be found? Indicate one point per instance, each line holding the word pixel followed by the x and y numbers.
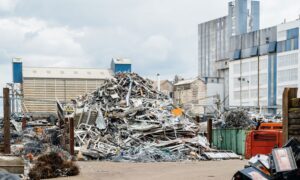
pixel 158 81
pixel 12 96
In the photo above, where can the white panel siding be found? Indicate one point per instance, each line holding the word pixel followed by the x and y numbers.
pixel 40 94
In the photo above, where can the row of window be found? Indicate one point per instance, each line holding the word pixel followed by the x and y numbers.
pixel 272 47
pixel 287 60
pixel 288 45
pixel 287 75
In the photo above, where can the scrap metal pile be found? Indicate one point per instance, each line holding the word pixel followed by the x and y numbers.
pixel 283 163
pixel 237 119
pixel 126 119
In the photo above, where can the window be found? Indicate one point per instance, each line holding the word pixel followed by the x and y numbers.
pixel 292 33
pixel 267 40
pixel 281 46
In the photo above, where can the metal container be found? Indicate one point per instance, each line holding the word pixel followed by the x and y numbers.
pixel 230 139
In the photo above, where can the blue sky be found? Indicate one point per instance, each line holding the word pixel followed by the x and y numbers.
pixel 157 35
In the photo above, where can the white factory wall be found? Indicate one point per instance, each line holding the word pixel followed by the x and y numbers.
pixel 288 65
pixel 287 72
pixel 43 86
pixel 246 69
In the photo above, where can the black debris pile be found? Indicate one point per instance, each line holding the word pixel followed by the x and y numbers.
pixel 52 165
pixel 282 163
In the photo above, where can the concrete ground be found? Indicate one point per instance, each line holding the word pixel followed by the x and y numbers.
pixel 210 170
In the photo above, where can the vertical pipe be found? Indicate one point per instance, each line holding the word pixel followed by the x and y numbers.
pixel 209 130
pixel 6 121
pixel 258 70
pixel 13 98
pixel 158 82
pixel 241 72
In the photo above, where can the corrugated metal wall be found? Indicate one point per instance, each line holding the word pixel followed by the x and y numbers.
pixel 40 93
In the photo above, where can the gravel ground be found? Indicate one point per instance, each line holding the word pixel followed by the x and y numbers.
pixel 210 170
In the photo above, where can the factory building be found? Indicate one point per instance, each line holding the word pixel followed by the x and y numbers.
pixel 190 94
pixel 200 96
pixel 214 35
pixel 214 38
pixel 40 87
pixel 262 64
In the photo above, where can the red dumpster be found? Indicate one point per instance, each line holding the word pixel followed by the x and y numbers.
pixel 262 142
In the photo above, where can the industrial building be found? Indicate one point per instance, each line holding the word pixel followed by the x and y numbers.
pixel 190 94
pixel 165 87
pixel 200 96
pixel 262 64
pixel 40 87
pixel 214 38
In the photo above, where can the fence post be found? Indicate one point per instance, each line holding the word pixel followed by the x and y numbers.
pixel 71 134
pixel 6 121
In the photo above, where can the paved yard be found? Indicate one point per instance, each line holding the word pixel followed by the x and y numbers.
pixel 159 171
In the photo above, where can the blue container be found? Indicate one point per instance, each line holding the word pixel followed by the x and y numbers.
pixel 17 72
pixel 122 68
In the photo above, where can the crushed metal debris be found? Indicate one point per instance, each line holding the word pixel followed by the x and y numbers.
pixel 126 119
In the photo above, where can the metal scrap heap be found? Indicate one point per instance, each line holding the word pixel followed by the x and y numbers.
pixel 126 119
pixel 238 119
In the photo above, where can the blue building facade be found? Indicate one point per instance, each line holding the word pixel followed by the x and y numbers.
pixel 17 67
pixel 119 65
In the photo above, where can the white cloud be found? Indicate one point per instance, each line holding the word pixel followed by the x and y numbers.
pixel 156 48
pixel 40 43
pixel 6 76
pixel 8 5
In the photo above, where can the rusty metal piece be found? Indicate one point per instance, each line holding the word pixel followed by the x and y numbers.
pixel 6 121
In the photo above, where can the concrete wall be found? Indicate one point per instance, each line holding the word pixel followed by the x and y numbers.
pixel 212 45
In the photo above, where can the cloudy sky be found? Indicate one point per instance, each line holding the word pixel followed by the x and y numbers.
pixel 157 35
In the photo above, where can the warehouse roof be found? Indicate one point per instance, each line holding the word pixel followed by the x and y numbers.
pixel 121 61
pixel 66 73
pixel 188 81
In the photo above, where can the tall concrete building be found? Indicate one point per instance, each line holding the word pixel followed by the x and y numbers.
pixel 214 37
pixel 243 16
pixel 212 45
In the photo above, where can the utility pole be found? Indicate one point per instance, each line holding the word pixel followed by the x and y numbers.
pixel 258 69
pixel 241 72
pixel 6 121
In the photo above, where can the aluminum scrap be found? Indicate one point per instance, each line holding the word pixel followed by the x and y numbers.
pixel 133 122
